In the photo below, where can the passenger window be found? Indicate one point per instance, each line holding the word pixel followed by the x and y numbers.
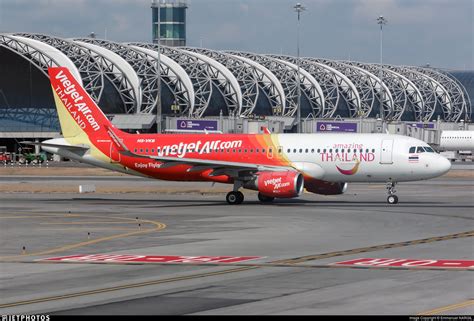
pixel 337 150
pixel 288 150
pixel 263 150
pixel 294 150
pixel 319 150
pixel 312 150
pixel 135 150
pixel 152 150
pixel 412 150
pixel 251 150
pixel 279 150
pixel 420 149
pixel 324 150
pixel 306 150
pixel 373 150
pixel 301 150
pixel 342 150
pixel 141 150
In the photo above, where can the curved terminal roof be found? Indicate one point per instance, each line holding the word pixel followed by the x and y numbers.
pixel 226 79
pixel 311 86
pixel 336 86
pixel 203 81
pixel 275 92
pixel 38 53
pixel 404 92
pixel 172 70
pixel 127 82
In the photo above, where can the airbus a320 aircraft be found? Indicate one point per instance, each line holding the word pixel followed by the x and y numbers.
pixel 275 165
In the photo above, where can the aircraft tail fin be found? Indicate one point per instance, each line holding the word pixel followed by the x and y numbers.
pixel 78 114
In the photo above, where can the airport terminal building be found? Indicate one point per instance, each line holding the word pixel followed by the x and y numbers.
pixel 233 87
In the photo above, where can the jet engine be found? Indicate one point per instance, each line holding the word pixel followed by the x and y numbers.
pixel 286 184
pixel 325 188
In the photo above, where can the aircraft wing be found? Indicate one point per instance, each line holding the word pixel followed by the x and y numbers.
pixel 220 167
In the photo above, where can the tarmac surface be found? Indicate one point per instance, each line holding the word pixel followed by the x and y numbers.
pixel 296 243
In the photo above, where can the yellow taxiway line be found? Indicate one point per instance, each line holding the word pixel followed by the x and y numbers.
pixel 448 308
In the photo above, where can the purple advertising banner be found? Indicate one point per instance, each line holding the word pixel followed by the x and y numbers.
pixel 422 125
pixel 326 126
pixel 188 124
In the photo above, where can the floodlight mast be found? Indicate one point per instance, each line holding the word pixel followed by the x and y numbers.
pixel 299 8
pixel 381 21
pixel 159 116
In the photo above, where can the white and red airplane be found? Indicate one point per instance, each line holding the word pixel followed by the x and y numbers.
pixel 276 165
pixel 455 140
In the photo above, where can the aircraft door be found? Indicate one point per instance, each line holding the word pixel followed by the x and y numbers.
pixel 386 151
pixel 270 152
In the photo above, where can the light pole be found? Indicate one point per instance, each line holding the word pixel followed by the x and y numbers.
pixel 381 21
pixel 298 8
pixel 158 80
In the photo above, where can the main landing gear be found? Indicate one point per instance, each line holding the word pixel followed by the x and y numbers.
pixel 392 198
pixel 234 197
pixel 265 199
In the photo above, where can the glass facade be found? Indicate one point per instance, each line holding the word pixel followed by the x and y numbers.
pixel 172 24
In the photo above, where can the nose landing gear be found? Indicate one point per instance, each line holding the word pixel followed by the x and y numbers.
pixel 392 198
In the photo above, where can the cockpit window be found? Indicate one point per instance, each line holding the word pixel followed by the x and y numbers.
pixel 412 150
pixel 420 149
pixel 429 149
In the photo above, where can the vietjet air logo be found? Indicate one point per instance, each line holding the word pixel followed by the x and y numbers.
pixel 74 101
pixel 276 183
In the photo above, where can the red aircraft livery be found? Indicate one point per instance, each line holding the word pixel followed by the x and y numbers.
pixel 275 165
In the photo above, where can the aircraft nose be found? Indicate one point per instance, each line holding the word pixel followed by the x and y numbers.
pixel 442 166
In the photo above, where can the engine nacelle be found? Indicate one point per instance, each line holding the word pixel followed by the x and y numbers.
pixel 325 188
pixel 286 184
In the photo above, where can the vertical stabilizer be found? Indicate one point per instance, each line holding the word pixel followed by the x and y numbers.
pixel 78 113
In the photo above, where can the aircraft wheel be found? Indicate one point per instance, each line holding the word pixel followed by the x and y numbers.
pixel 265 199
pixel 234 198
pixel 392 199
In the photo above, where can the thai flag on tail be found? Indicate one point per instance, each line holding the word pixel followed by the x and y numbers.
pixel 413 158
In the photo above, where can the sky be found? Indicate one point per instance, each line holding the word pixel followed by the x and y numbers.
pixel 419 32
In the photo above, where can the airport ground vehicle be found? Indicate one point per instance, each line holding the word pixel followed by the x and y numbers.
pixel 5 157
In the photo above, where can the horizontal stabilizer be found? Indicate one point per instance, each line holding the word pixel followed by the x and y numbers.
pixel 70 147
